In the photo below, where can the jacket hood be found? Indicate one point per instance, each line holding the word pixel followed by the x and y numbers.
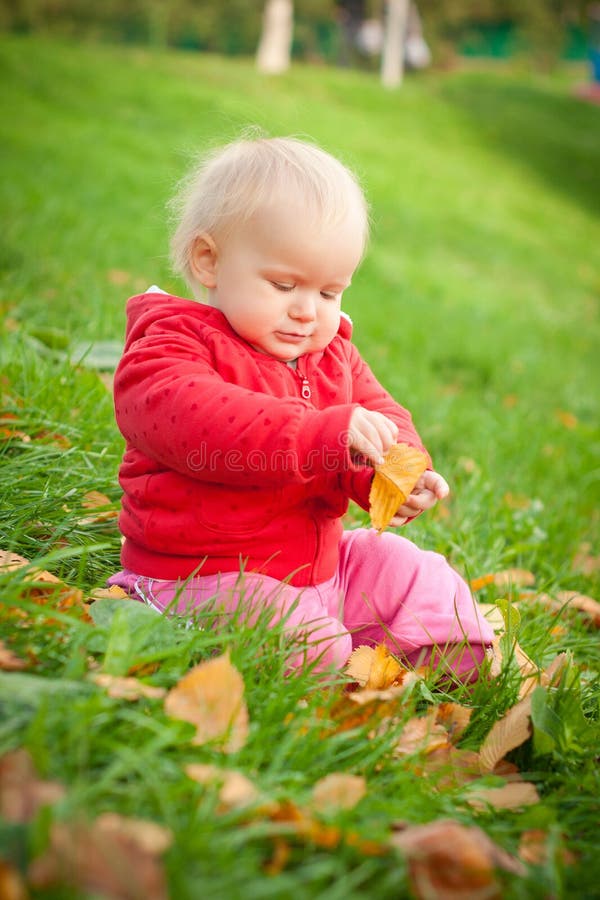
pixel 143 310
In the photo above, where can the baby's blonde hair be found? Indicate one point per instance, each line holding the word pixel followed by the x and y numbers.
pixel 235 181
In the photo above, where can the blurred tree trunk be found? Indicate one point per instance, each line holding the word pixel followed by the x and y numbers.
pixel 392 53
pixel 275 47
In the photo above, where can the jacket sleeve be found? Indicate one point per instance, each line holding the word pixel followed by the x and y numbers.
pixel 368 392
pixel 173 406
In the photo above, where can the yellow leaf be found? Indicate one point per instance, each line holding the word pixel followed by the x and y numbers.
pixel 393 482
pixel 374 668
pixel 509 732
pixel 338 790
pixel 211 697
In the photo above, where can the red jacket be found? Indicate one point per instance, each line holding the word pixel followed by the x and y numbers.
pixel 233 457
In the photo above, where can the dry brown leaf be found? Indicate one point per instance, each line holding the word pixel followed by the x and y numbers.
pixel 9 661
pixel 512 795
pixel 450 861
pixel 450 767
pixel 454 718
pixel 374 667
pixel 530 673
pixel 566 600
pixel 506 578
pixel 585 561
pixel 394 480
pixel 421 734
pixel 338 790
pixel 235 792
pixel 99 503
pixel 211 697
pixel 10 561
pixel 22 793
pixel 113 856
pixel 121 688
pixel 512 730
pixel 534 849
pixel 12 886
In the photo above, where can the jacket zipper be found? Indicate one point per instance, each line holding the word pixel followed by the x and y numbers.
pixel 305 387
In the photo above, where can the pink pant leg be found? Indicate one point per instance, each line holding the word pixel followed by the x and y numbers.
pixel 411 599
pixel 312 615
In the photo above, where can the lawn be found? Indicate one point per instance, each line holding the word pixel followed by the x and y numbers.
pixel 476 306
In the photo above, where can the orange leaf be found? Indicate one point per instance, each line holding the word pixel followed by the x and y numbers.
pixel 12 886
pixel 338 790
pixel 21 792
pixel 450 861
pixel 211 697
pixel 512 730
pixel 454 718
pixel 506 578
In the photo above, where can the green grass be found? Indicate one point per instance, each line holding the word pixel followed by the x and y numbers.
pixel 476 306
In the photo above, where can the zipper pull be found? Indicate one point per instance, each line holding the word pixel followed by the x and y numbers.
pixel 306 391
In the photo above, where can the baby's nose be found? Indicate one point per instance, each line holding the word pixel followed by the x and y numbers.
pixel 303 307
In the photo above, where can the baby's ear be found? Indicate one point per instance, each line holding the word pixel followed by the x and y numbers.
pixel 203 260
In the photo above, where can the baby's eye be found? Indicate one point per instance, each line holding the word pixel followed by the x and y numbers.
pixel 329 295
pixel 283 286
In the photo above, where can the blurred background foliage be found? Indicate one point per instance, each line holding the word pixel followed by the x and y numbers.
pixel 545 30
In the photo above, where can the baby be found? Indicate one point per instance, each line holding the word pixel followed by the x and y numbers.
pixel 251 420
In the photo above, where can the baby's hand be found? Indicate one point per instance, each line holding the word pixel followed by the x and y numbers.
pixel 371 434
pixel 430 488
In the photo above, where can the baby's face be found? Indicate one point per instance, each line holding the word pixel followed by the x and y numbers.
pixel 279 282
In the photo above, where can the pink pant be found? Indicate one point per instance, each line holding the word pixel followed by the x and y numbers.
pixel 385 589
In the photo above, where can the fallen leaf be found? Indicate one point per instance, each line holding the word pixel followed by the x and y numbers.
pixel 394 480
pixel 12 886
pixel 41 586
pixel 113 857
pixel 513 795
pixel 566 600
pixel 530 673
pixel 374 668
pixel 506 578
pixel 454 718
pixel 512 730
pixel 585 561
pixel 111 593
pixel 566 418
pixel 235 792
pixel 102 506
pixel 534 849
pixel 338 790
pixel 493 614
pixel 211 697
pixel 122 688
pixel 421 734
pixel 450 766
pixel 22 793
pixel 450 861
pixel 9 661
